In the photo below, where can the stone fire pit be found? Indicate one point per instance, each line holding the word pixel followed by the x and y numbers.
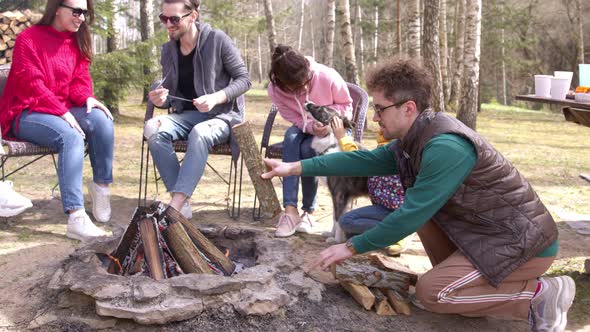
pixel 271 278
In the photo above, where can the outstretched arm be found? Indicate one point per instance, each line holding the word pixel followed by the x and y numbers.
pixel 279 168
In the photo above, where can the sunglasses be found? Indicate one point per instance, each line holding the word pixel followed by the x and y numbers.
pixel 175 20
pixel 76 12
pixel 379 109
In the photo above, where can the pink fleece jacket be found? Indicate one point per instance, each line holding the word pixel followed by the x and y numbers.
pixel 327 88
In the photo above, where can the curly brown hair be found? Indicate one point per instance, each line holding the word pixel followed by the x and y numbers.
pixel 401 79
pixel 289 70
pixel 188 4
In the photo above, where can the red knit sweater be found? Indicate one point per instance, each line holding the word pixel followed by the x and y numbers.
pixel 48 75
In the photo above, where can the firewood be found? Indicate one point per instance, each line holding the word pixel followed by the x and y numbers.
pixel 360 293
pixel 10 43
pixel 184 250
pixel 2 61
pixel 382 307
pixel 269 203
pixel 362 270
pixel 388 264
pixel 151 246
pixel 123 248
pixel 3 46
pixel 400 305
pixel 3 27
pixel 202 242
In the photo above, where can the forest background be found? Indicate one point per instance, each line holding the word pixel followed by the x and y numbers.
pixel 478 51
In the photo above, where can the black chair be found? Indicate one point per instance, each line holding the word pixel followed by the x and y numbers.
pixel 234 184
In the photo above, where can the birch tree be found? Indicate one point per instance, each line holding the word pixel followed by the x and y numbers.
pixel 430 47
pixel 360 46
pixel 375 33
pixel 468 106
pixel 348 45
pixel 414 30
pixel 444 55
pixel 270 25
pixel 330 31
pixel 459 52
pixel 399 28
pixel 301 22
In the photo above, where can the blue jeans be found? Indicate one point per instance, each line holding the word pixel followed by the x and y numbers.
pixel 360 220
pixel 201 131
pixel 52 131
pixel 297 146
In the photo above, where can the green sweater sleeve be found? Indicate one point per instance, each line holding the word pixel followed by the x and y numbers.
pixel 446 161
pixel 379 161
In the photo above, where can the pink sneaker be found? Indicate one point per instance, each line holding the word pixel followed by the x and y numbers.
pixel 306 225
pixel 287 225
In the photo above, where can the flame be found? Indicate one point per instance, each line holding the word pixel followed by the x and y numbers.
pixel 226 252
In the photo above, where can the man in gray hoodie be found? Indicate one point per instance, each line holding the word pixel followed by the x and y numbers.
pixel 203 76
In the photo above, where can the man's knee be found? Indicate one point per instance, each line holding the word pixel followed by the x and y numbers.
pixel 427 292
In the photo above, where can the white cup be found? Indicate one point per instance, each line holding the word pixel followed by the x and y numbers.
pixel 543 85
pixel 559 87
pixel 565 74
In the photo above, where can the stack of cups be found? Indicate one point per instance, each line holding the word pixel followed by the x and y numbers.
pixel 543 86
pixel 560 84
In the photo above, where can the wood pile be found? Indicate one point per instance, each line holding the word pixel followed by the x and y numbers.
pixel 11 24
pixel 377 282
pixel 161 243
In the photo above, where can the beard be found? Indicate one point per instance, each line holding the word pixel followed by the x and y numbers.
pixel 177 34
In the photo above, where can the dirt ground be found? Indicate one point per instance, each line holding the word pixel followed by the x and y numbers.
pixel 33 245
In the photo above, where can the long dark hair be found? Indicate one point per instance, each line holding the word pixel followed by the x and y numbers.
pixel 289 70
pixel 82 35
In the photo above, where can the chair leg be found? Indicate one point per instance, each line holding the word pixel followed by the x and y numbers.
pixel 232 190
pixel 53 190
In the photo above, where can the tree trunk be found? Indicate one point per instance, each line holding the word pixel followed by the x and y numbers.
pixel 459 52
pixel 311 26
pixel 146 22
pixel 444 54
pixel 348 45
pixel 580 28
pixel 414 30
pixel 467 112
pixel 503 54
pixel 399 28
pixel 430 47
pixel 270 26
pixel 330 31
pixel 375 33
pixel 360 43
pixel 301 21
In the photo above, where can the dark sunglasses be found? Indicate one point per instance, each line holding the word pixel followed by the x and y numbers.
pixel 379 109
pixel 175 20
pixel 76 12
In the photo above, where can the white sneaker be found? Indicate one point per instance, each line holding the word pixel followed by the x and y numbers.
pixel 11 202
pixel 186 210
pixel 306 225
pixel 80 227
pixel 101 202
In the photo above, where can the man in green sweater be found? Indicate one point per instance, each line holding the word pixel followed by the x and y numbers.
pixel 485 230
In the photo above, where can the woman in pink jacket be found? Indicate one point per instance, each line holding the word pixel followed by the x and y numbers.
pixel 295 80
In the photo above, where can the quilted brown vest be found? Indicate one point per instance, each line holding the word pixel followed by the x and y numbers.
pixel 495 217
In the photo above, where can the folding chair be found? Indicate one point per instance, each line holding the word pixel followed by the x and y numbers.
pixel 234 184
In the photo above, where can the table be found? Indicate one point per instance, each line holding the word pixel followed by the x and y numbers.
pixel 574 111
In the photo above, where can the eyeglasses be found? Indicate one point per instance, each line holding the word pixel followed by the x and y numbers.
pixel 175 20
pixel 76 12
pixel 379 109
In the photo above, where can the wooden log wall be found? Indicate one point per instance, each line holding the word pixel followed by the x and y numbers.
pixel 11 24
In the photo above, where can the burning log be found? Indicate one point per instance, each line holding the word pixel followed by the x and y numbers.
pixel 208 248
pixel 154 255
pixel 184 250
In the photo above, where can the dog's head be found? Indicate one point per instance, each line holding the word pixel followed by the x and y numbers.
pixel 324 114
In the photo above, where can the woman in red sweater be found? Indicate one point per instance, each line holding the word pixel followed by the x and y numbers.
pixel 48 101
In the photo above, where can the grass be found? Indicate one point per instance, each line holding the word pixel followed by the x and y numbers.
pixel 549 152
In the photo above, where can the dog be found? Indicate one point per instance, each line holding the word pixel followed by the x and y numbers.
pixel 343 189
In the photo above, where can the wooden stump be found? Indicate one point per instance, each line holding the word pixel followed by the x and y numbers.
pixel 202 242
pixel 362 270
pixel 269 203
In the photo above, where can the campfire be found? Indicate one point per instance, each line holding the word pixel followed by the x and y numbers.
pixel 161 243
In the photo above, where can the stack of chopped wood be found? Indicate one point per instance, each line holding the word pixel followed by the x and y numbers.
pixel 375 281
pixel 11 24
pixel 161 243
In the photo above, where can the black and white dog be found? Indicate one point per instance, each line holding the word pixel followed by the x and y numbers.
pixel 342 188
